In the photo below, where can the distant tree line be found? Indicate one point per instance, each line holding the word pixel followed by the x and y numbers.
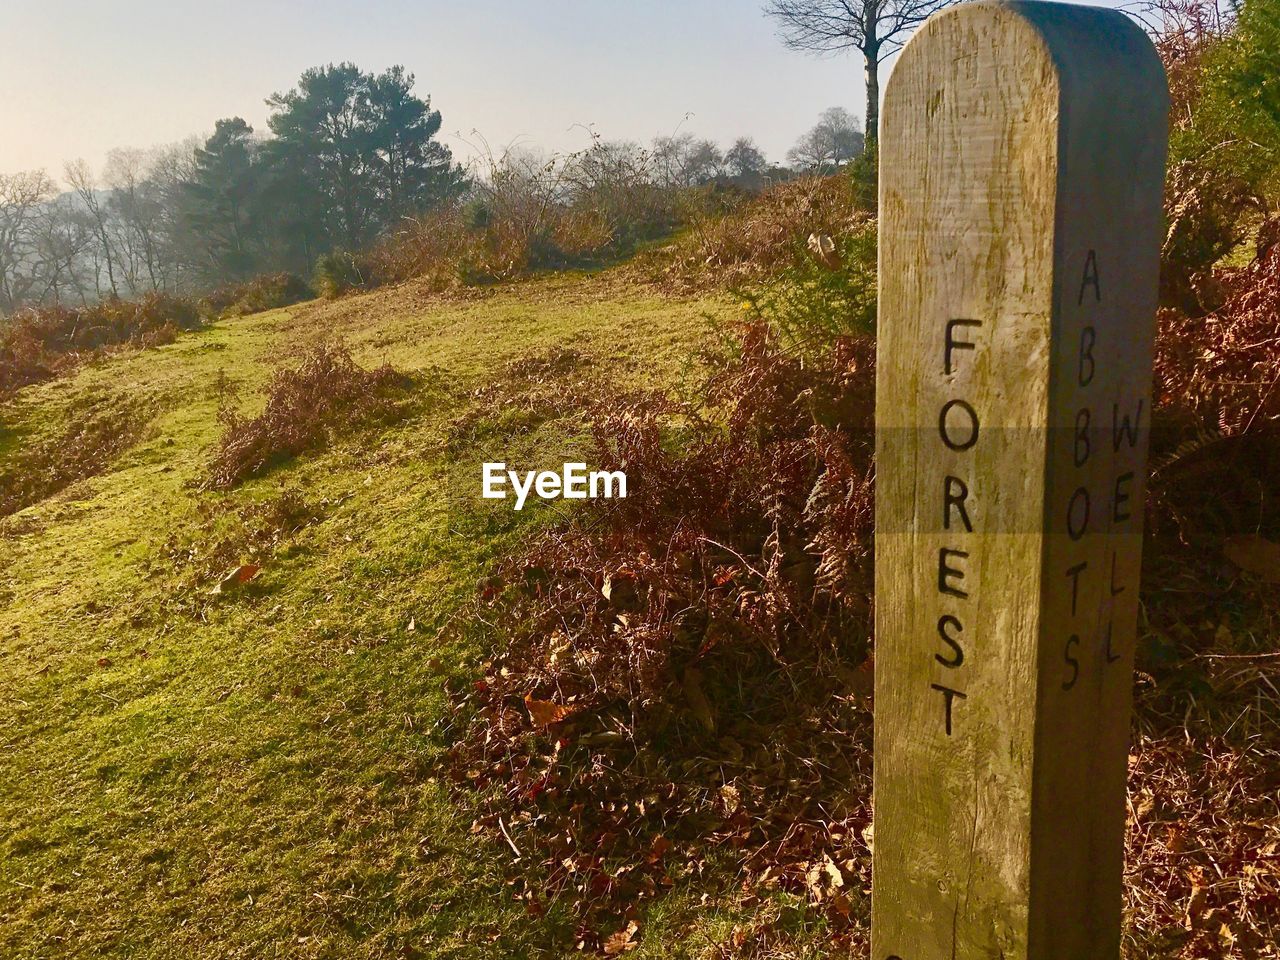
pixel 348 157
pixel 687 161
pixel 349 154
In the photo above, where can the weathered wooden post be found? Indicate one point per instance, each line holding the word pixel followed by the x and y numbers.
pixel 1022 161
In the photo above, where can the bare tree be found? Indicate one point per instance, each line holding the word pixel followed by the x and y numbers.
pixel 171 171
pixel 685 161
pixel 22 196
pixel 139 217
pixel 875 28
pixel 81 180
pixel 121 235
pixel 834 139
pixel 61 237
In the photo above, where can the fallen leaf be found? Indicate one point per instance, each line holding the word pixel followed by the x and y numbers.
pixel 544 713
pixel 813 880
pixel 1254 554
pixel 246 572
pixel 658 849
pixel 240 575
pixel 731 799
pixel 1225 936
pixel 622 941
pixel 840 904
pixel 824 250
pixel 621 590
pixel 833 871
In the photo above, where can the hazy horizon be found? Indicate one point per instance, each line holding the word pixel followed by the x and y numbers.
pixel 90 79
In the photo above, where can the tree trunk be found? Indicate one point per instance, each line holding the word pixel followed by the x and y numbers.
pixel 871 54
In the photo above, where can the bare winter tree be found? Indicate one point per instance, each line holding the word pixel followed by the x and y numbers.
pixel 63 234
pixel 138 212
pixel 172 169
pixel 835 139
pixel 22 197
pixel 875 28
pixel 685 161
pixel 81 180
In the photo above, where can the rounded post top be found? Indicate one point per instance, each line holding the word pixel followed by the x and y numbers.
pixel 1090 48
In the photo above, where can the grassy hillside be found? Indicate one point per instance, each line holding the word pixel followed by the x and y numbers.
pixel 224 714
pixel 248 772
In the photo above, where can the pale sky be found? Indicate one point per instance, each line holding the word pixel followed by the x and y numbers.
pixel 79 77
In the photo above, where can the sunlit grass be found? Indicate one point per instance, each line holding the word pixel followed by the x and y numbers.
pixel 251 774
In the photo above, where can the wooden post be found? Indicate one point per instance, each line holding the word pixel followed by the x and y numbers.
pixel 1021 167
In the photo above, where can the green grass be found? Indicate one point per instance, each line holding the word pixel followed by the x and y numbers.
pixel 252 774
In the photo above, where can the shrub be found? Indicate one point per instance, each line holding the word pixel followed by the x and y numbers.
pixel 652 647
pixel 614 187
pixel 1207 211
pixel 755 240
pixel 826 290
pixel 39 343
pixel 1216 439
pixel 307 405
pixel 434 248
pixel 338 272
pixel 269 291
pixel 864 172
pixel 1224 138
pixel 528 215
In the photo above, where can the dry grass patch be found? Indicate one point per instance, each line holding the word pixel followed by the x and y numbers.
pixel 326 393
pixel 41 343
pixel 85 447
pixel 762 237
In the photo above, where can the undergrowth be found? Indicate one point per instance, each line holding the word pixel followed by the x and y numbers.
pixel 755 241
pixel 269 291
pixel 826 290
pixel 582 210
pixel 653 699
pixel 41 343
pixel 326 393
pixel 1218 400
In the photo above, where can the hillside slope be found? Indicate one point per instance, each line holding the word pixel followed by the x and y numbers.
pixel 247 772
